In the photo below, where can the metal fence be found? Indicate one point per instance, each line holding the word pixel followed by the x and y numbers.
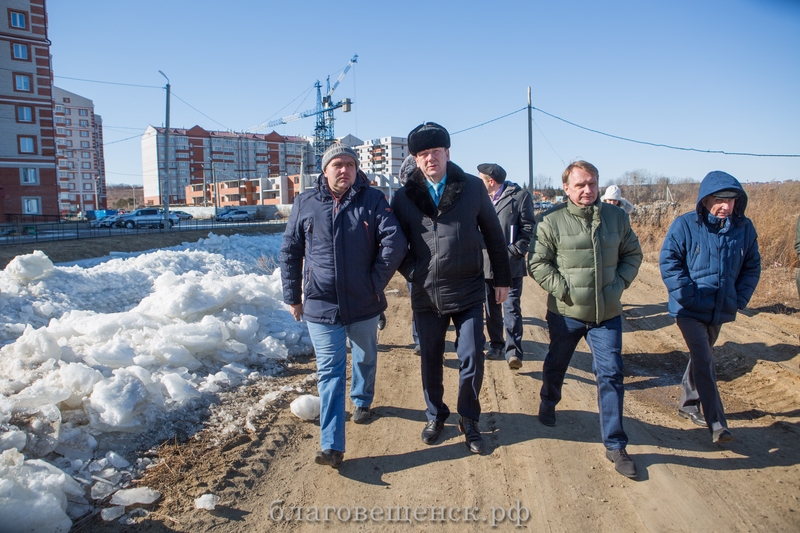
pixel 24 230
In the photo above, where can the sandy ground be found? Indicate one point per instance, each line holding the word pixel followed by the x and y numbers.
pixel 530 477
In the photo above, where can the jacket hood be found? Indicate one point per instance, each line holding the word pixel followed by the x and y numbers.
pixel 719 181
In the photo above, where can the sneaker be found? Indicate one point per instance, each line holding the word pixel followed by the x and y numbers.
pixel 721 435
pixel 361 415
pixel 382 322
pixel 514 362
pixel 494 354
pixel 696 417
pixel 417 350
pixel 332 458
pixel 547 414
pixel 469 428
pixel 622 462
pixel 432 431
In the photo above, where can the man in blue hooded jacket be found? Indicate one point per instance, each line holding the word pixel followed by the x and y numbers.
pixel 711 266
pixel 341 247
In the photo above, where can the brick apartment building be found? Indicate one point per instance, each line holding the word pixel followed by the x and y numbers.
pixel 28 179
pixel 79 154
pixel 224 168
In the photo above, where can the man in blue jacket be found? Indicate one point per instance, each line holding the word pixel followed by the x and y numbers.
pixel 447 215
pixel 349 239
pixel 711 266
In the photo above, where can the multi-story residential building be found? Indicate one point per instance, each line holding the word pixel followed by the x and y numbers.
pixel 222 168
pixel 381 158
pixel 81 167
pixel 27 137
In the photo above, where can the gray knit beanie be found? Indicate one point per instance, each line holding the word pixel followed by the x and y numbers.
pixel 336 150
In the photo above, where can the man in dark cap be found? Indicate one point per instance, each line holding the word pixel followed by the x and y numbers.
pixel 711 266
pixel 514 208
pixel 341 247
pixel 446 215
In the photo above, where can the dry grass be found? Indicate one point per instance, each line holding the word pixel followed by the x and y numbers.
pixel 773 208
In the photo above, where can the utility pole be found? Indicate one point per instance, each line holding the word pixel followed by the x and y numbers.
pixel 530 144
pixel 166 160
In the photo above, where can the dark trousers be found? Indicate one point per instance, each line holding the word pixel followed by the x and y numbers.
pixel 413 322
pixel 605 343
pixel 699 384
pixel 504 321
pixel 470 339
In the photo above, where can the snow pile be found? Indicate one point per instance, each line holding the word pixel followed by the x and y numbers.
pixel 207 502
pixel 94 355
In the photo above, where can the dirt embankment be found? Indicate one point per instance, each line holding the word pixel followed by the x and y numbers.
pixel 535 477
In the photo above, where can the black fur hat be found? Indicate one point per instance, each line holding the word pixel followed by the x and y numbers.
pixel 426 136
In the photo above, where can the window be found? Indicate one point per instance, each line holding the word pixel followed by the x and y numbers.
pixel 27 145
pixel 87 187
pixel 84 133
pixel 60 131
pixel 86 164
pixel 67 111
pixel 72 186
pixel 22 83
pixel 66 101
pixel 87 176
pixel 59 108
pixel 69 143
pixel 67 121
pixel 88 197
pixel 83 112
pixel 68 133
pixel 24 113
pixel 84 144
pixel 60 120
pixel 19 20
pixel 62 174
pixel 28 176
pixel 20 51
pixel 85 154
pixel 84 123
pixel 30 205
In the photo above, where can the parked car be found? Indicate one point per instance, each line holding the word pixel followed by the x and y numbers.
pixel 182 215
pixel 147 218
pixel 235 215
pixel 104 222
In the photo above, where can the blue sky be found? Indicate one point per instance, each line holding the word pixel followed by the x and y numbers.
pixel 710 75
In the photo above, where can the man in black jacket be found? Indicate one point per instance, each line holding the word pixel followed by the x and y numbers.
pixel 514 208
pixel 446 216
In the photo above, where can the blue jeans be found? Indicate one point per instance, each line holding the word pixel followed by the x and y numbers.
pixel 605 343
pixel 505 320
pixel 330 347
pixel 432 328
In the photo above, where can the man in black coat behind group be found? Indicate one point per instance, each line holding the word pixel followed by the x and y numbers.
pixel 514 208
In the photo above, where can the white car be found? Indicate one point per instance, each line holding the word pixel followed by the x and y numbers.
pixel 106 222
pixel 236 215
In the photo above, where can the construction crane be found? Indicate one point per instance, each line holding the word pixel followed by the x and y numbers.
pixel 323 131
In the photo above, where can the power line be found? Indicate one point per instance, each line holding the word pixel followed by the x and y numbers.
pixel 120 140
pixel 111 82
pixel 660 145
pixel 209 118
pixel 489 121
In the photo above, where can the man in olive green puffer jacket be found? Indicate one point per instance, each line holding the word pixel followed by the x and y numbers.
pixel 584 255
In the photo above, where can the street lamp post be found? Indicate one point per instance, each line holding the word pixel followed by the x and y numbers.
pixel 166 160
pixel 133 190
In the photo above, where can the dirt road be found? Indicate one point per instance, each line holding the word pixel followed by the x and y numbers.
pixel 533 477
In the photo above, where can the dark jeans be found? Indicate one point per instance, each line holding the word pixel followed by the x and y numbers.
pixel 505 320
pixel 605 343
pixel 699 384
pixel 470 339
